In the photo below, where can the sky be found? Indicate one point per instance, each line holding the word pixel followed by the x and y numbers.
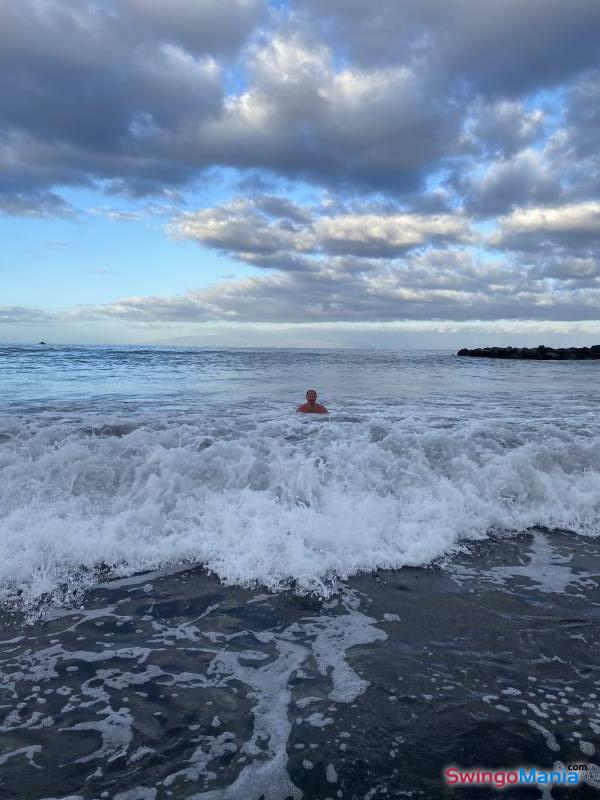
pixel 324 173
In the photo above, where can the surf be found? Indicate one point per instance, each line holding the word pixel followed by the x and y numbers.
pixel 279 502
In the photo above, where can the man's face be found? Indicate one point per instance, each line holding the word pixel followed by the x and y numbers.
pixel 311 396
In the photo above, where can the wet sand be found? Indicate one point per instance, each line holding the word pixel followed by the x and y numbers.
pixel 170 685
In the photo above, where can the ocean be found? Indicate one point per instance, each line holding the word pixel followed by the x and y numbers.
pixel 207 595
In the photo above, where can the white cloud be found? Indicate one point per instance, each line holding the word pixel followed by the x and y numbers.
pixel 370 234
pixel 251 230
pixel 574 218
pixel 575 223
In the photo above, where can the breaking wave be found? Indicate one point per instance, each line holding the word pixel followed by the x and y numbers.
pixel 302 502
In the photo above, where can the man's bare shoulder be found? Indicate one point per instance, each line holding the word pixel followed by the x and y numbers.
pixel 314 408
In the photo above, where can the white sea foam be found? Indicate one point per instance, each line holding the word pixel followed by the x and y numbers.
pixel 291 500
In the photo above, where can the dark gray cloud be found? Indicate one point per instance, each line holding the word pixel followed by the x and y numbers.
pixel 281 208
pixel 88 93
pixel 583 116
pixel 576 149
pixel 526 178
pixel 35 202
pixel 144 95
pixel 552 159
pixel 571 271
pixel 503 127
pixel 208 26
pixel 496 47
pixel 71 74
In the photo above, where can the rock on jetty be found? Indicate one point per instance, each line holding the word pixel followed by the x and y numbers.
pixel 541 353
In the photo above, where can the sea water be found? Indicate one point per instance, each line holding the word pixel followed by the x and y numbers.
pixel 115 460
pixel 322 607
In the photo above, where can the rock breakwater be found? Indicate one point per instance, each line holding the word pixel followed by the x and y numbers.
pixel 541 353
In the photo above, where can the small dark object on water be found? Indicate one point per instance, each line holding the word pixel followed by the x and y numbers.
pixel 541 353
pixel 41 342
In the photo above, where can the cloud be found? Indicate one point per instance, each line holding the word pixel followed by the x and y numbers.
pixel 116 214
pixel 577 150
pixel 379 235
pixel 583 116
pixel 416 124
pixel 574 226
pixel 171 118
pixel 20 314
pixel 503 127
pixel 34 203
pixel 571 271
pixel 241 227
pixel 198 25
pixel 85 96
pixel 488 47
pixel 273 232
pixel 375 128
pixel 437 284
pixel 144 96
pixel 526 177
pixel 328 261
pixel 553 158
pixel 281 208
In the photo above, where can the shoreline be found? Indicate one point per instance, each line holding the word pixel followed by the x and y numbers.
pixel 174 683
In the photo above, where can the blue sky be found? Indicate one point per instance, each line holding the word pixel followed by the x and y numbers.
pixel 320 173
pixel 56 263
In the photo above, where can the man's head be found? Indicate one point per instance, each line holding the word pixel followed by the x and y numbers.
pixel 311 396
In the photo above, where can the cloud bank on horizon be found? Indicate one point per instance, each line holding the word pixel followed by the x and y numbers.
pixel 394 161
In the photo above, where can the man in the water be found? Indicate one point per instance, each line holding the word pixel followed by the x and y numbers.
pixel 311 406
